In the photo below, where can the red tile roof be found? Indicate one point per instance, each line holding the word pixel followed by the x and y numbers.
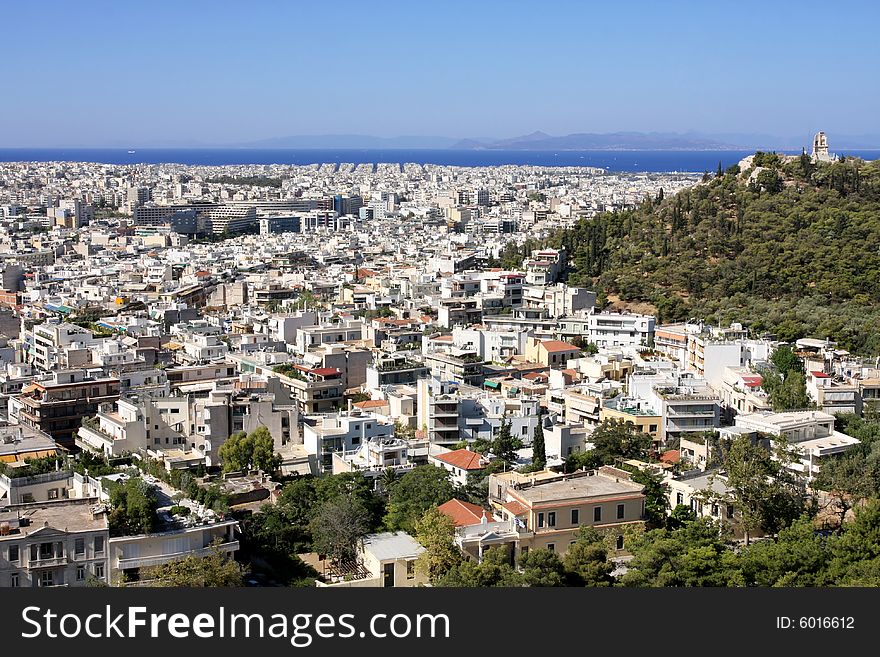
pixel 371 403
pixel 516 508
pixel 558 345
pixel 671 456
pixel 464 459
pixel 325 371
pixel 462 513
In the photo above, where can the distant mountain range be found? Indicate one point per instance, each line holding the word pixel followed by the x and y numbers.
pixel 585 141
pixel 614 141
pixel 351 141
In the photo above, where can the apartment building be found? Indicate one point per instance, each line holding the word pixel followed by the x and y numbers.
pixel 60 543
pixel 833 394
pixel 56 406
pixel 344 432
pixel 810 434
pixel 606 329
pixel 549 509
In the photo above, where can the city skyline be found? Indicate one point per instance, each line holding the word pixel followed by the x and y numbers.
pixel 221 75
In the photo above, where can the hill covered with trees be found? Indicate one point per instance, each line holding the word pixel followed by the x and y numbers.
pixel 785 246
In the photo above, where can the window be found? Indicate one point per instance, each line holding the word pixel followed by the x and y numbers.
pixel 551 519
pixel 13 553
pixel 99 544
pixel 575 516
pixel 524 429
pixel 540 520
pixel 369 426
pixel 99 570
pixel 679 498
pixel 410 569
pixel 730 511
pixel 46 578
pixel 80 573
pixel 619 543
pixel 53 493
pixel 356 440
pixel 79 546
pixel 597 514
pixel 14 581
pixel 652 428
pixel 46 550
pixel 714 510
pixel 551 547
pixel 621 511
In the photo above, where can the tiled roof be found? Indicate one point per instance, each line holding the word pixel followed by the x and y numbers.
pixel 462 513
pixel 464 459
pixel 558 345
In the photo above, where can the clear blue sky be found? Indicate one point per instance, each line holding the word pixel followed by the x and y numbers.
pixel 97 73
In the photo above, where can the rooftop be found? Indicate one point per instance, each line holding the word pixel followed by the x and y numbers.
pixel 67 515
pixel 597 485
pixel 392 545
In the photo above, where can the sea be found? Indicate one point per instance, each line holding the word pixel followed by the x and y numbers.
pixel 625 161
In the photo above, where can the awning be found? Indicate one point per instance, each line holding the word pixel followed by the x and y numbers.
pixel 492 384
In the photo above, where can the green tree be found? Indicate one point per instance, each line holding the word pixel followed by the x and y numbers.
pixel 848 480
pixel 495 569
pixel 656 500
pixel 586 561
pixel 338 526
pixel 680 516
pixel 619 439
pixel 420 489
pixel 539 455
pixel 435 531
pixel 133 508
pixel 799 557
pixel 242 452
pixel 785 360
pixel 695 554
pixel 541 567
pixel 764 492
pixel 214 570
pixel 504 446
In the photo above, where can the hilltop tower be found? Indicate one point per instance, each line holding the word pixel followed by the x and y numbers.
pixel 820 148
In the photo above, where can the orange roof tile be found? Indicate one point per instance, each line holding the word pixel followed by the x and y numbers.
pixel 671 456
pixel 558 345
pixel 462 458
pixel 516 508
pixel 462 513
pixel 371 403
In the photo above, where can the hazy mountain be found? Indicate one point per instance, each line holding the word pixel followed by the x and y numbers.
pixel 351 141
pixel 539 141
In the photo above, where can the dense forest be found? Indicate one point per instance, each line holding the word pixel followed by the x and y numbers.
pixel 791 248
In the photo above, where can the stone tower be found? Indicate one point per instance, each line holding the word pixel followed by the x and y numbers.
pixel 820 148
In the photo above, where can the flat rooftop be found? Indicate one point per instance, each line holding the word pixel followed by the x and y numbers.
pixel 69 516
pixel 597 485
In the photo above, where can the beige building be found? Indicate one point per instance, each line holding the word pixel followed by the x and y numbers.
pixel 63 543
pixel 384 560
pixel 550 353
pixel 549 508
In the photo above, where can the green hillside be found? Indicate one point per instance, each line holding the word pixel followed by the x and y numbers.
pixel 795 251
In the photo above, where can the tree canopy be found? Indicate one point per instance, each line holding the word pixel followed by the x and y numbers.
pixel 796 258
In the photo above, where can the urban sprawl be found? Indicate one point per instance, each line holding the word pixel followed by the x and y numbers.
pixel 187 348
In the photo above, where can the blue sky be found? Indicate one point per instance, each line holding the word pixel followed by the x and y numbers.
pixel 212 72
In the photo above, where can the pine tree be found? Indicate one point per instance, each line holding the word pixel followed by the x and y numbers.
pixel 539 456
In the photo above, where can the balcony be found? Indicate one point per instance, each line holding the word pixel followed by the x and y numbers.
pixel 48 562
pixel 158 560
